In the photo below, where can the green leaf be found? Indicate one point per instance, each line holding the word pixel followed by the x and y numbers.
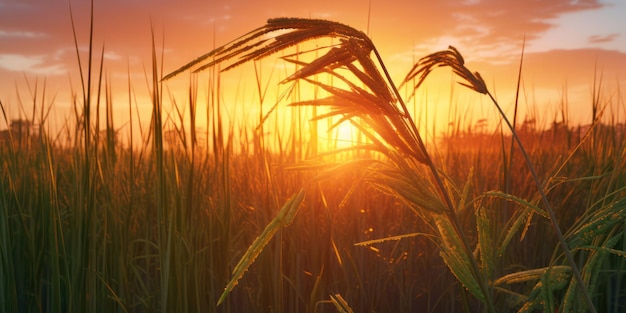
pixel 520 201
pixel 485 241
pixel 284 217
pixel 455 257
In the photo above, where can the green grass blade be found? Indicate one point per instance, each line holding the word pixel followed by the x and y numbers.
pixel 284 217
pixel 520 201
pixel 485 241
pixel 456 258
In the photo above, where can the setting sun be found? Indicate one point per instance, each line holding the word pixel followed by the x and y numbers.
pixel 341 136
pixel 344 135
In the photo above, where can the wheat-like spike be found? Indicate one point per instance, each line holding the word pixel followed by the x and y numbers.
pixel 320 102
pixel 315 49
pixel 378 89
pixel 214 54
pixel 342 112
pixel 253 46
pixel 351 97
pixel 451 58
pixel 345 56
pixel 335 57
pixel 375 80
pixel 334 29
pixel 233 54
pixel 364 99
pixel 352 53
pixel 360 100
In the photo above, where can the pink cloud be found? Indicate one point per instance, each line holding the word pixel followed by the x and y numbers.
pixel 602 38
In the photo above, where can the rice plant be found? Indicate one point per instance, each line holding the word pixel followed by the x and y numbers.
pixel 369 100
pixel 90 224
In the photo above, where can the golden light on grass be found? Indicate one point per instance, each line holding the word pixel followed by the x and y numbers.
pixel 92 225
pixel 369 95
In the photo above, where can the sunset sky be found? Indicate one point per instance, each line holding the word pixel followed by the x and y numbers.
pixel 565 41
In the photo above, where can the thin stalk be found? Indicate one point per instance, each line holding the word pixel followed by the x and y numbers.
pixel 509 165
pixel 443 191
pixel 81 256
pixel 163 221
pixel 546 203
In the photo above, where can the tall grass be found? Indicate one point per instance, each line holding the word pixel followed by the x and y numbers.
pixel 98 225
pixel 395 136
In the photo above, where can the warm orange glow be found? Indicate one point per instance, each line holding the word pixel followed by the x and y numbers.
pixel 559 63
pixel 345 135
pixel 342 136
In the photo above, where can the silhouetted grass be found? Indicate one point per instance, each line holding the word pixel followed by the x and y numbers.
pixel 98 225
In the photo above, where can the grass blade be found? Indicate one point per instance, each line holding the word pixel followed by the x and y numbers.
pixel 284 217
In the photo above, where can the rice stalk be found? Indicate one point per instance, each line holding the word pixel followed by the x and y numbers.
pixel 39 184
pixel 84 224
pixel 379 107
pixel 451 58
pixel 594 236
pixel 165 217
pixel 507 167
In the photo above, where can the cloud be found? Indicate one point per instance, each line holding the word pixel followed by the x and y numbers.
pixel 553 69
pixel 602 38
pixel 20 34
pixel 29 64
pixel 507 22
pixel 113 56
pixel 491 30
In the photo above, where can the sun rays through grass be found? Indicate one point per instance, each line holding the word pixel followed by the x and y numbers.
pixel 373 104
pixel 244 217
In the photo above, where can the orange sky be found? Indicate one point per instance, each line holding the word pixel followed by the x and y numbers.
pixel 565 41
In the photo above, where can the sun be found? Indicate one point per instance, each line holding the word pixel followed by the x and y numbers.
pixel 345 135
pixel 341 136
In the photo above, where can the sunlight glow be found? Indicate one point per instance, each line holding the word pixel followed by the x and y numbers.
pixel 343 135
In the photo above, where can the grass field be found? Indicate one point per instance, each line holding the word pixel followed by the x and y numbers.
pixel 497 222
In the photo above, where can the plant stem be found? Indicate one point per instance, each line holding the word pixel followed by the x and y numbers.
pixel 450 213
pixel 544 199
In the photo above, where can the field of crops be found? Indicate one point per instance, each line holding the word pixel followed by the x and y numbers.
pixel 519 219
